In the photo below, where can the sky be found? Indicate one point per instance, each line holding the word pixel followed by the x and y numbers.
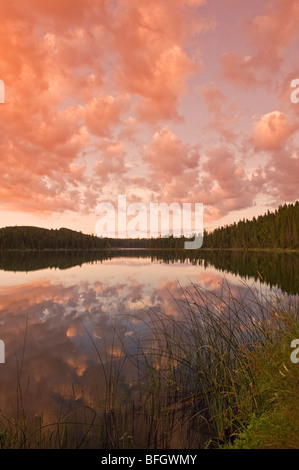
pixel 173 101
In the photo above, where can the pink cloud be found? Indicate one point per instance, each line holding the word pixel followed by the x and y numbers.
pixel 240 68
pixel 281 174
pixel 272 130
pixel 160 96
pixel 153 63
pixel 233 190
pixel 221 118
pixel 103 112
pixel 113 161
pixel 75 71
pixel 169 154
pixel 172 166
pixel 272 33
pixel 130 128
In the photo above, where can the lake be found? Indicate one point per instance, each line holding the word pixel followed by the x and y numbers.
pixel 71 320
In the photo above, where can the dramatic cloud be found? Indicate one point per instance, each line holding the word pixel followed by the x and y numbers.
pixel 133 96
pixel 172 165
pixel 282 172
pixel 102 113
pixel 233 189
pixel 167 153
pixel 272 130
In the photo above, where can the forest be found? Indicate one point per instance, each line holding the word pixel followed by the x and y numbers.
pixel 273 230
pixel 278 229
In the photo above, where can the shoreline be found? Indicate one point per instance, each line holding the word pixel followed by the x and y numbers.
pixel 183 250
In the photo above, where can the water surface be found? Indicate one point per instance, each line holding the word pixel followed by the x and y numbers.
pixel 62 316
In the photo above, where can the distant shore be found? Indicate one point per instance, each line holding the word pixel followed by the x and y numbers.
pixel 115 248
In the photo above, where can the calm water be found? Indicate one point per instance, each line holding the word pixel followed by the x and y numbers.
pixel 60 323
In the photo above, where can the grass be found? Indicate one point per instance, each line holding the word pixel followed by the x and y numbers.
pixel 217 374
pixel 274 424
pixel 221 353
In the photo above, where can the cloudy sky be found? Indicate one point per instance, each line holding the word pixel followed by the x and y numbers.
pixel 159 100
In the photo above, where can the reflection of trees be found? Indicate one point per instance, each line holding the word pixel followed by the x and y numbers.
pixel 35 260
pixel 276 269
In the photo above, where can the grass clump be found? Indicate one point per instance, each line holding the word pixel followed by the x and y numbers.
pixel 274 424
pixel 227 356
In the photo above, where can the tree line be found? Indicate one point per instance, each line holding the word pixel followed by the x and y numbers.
pixel 36 238
pixel 278 229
